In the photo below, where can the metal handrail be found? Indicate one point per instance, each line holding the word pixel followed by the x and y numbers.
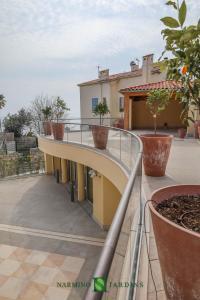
pixel 107 254
pixel 110 244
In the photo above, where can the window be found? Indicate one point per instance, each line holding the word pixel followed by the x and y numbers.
pixel 104 100
pixel 121 104
pixel 94 103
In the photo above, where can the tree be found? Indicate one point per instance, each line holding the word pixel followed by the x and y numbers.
pixel 59 108
pixel 157 100
pixel 2 101
pixel 18 122
pixel 100 110
pixel 39 104
pixel 183 42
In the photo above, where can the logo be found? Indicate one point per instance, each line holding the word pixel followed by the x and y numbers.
pixel 99 284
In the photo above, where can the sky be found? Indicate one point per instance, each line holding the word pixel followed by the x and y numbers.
pixel 49 46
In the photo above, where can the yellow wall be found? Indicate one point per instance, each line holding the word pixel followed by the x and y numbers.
pixel 105 200
pixel 141 117
pixel 88 157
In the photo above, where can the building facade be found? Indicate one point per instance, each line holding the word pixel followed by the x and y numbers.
pixel 107 87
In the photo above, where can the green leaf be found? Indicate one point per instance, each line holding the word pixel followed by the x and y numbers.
pixel 170 22
pixel 182 13
pixel 172 3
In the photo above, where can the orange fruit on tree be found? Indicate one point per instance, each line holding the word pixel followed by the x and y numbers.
pixel 184 70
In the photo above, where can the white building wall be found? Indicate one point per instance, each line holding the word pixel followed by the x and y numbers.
pixel 111 89
pixel 93 91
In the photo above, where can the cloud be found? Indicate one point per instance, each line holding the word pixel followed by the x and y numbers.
pixel 63 40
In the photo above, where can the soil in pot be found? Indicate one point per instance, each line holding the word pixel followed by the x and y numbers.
pixel 100 136
pixel 184 210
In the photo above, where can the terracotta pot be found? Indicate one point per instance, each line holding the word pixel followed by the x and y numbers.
pixel 196 133
pixel 100 136
pixel 156 149
pixel 199 131
pixel 178 248
pixel 47 128
pixel 58 131
pixel 182 133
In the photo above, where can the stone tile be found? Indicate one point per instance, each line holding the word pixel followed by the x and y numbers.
pixel 64 277
pixel 9 266
pixel 36 257
pixel 6 251
pixel 3 279
pixel 54 260
pixel 12 288
pixel 160 296
pixel 152 249
pixel 157 275
pixel 45 275
pixel 72 264
pixel 20 254
pixel 54 293
pixel 26 270
pixel 33 291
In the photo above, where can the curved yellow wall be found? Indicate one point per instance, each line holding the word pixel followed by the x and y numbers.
pixel 88 157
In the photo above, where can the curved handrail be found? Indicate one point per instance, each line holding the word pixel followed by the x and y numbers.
pixel 107 254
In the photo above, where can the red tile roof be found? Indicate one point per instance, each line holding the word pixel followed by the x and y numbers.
pixel 114 77
pixel 161 85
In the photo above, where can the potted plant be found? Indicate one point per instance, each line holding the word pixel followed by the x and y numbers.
pixel 100 133
pixel 59 108
pixel 183 43
pixel 175 209
pixel 176 224
pixel 156 147
pixel 47 113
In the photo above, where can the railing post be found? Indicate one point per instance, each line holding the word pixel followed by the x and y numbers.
pixel 81 134
pixel 120 145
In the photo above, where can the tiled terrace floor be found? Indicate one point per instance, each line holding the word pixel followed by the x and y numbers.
pixel 183 168
pixel 44 239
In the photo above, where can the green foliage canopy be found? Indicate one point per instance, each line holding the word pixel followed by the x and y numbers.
pixel 183 42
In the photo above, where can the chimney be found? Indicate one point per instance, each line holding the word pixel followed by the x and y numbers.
pixel 134 66
pixel 147 60
pixel 147 63
pixel 104 74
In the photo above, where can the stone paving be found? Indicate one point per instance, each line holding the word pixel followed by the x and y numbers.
pixel 45 239
pixel 27 274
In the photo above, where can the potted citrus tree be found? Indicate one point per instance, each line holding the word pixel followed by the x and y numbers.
pixel 59 108
pixel 100 133
pixel 47 113
pixel 175 209
pixel 156 147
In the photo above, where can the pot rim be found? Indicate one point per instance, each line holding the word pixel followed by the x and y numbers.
pixel 155 136
pixel 151 206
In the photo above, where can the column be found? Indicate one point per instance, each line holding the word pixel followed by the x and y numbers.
pixel 81 182
pixel 63 170
pixel 126 111
pixel 106 198
pixel 48 159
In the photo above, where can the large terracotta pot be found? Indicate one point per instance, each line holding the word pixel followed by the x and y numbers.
pixel 156 149
pixel 182 133
pixel 196 125
pixel 58 131
pixel 178 248
pixel 47 128
pixel 100 136
pixel 199 131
